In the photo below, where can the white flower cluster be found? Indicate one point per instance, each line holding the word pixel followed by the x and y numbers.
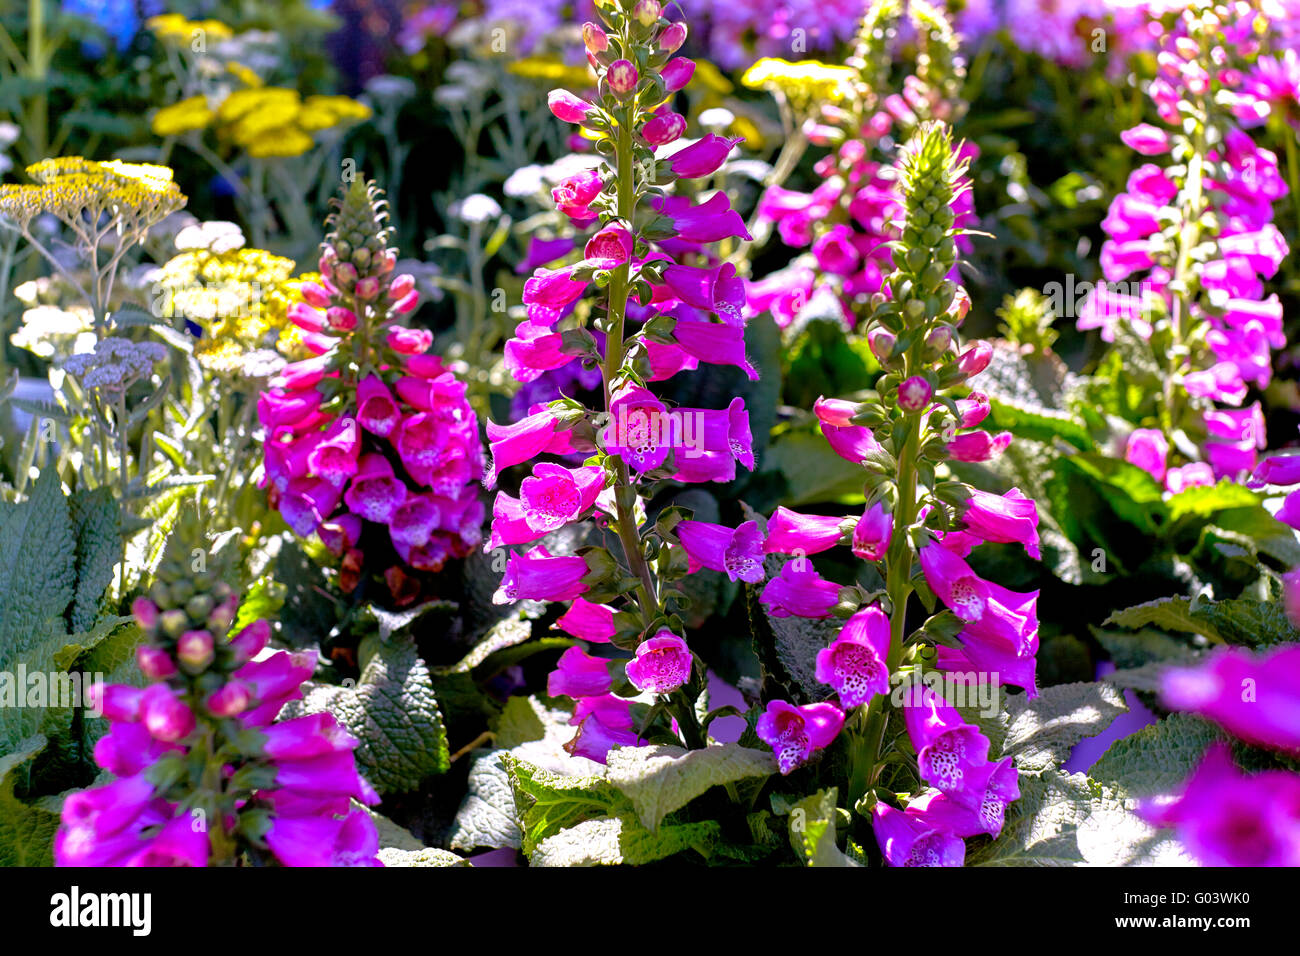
pixel 115 363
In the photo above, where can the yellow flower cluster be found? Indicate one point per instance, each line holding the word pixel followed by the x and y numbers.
pixel 240 297
pixel 263 120
pixel 551 69
pixel 175 29
pixel 77 191
pixel 803 83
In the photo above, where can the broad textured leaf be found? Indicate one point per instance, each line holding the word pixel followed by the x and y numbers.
pixel 486 817
pixel 1203 501
pixel 98 546
pixel 812 830
pixel 26 831
pixel 661 779
pixel 1156 759
pixel 1041 732
pixel 426 856
pixel 394 713
pixel 38 573
pixel 505 633
pixel 547 802
pixel 609 841
pixel 812 469
pixel 1235 621
pixel 1070 820
pixel 1038 422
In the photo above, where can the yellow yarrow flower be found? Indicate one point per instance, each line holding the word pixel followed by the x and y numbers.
pixel 176 29
pixel 551 69
pixel 188 114
pixel 240 297
pixel 804 82
pixel 244 74
pixel 323 112
pixel 76 190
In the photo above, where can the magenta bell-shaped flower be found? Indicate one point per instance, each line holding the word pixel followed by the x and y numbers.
pixel 662 664
pixel 795 733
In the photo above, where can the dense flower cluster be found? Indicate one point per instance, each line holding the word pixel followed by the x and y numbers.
pixel 204 772
pixel 371 444
pixel 1200 231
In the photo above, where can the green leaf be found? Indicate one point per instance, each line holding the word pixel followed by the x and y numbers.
pixel 812 830
pixel 505 633
pixel 393 713
pixel 1070 820
pixel 813 470
pixel 37 567
pixel 1156 759
pixel 98 548
pixel 1025 420
pixel 26 831
pixel 661 779
pixel 546 802
pixel 609 841
pixel 1235 621
pixel 1041 732
pixel 1203 501
pixel 486 817
pixel 426 856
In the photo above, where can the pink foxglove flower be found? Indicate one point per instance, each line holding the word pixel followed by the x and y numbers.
pixel 661 664
pixel 537 575
pixel 909 838
pixel 873 532
pixel 1254 698
pixel 588 621
pixel 856 663
pixel 736 553
pixel 795 733
pixel 789 532
pixel 800 591
pixel 1225 818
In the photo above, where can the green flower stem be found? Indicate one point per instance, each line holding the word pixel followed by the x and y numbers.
pixel 1188 238
pixel 619 286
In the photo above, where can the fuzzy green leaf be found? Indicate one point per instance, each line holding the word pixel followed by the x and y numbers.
pixel 661 779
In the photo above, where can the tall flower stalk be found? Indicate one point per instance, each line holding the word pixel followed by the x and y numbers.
pixel 664 304
pixel 204 775
pixel 1199 231
pixel 919 525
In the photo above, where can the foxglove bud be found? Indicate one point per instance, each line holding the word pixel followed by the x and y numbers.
pixel 341 319
pixel 367 289
pixel 146 614
pixel 154 662
pixel 622 77
pixel 975 359
pixel 914 394
pixel 673 37
pixel 647 12
pixel 881 342
pixel 595 38
pixel 229 701
pixel 249 642
pixel 194 650
pixel 401 286
pixel 938 340
pixel 174 622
